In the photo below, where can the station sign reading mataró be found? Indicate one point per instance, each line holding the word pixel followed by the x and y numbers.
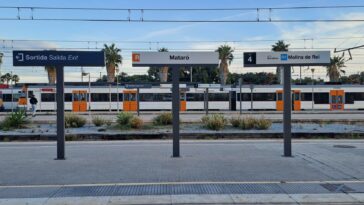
pixel 174 58
pixel 291 58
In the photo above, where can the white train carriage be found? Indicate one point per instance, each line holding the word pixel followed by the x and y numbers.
pixel 257 97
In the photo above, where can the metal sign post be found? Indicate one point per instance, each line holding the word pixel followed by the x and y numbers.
pixel 60 113
pixel 286 59
pixel 287 111
pixel 175 60
pixel 59 59
pixel 175 110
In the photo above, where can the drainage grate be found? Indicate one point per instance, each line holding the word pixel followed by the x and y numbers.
pixel 337 188
pixel 303 188
pixel 344 146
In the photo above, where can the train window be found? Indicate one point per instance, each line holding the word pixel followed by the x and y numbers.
pixel 349 98
pixel 195 97
pixel 68 97
pixel 100 97
pixel 165 97
pixel 114 97
pixel 321 98
pixel 280 96
pixel 296 96
pixel 264 96
pixel 48 97
pixel 218 96
pixel 30 93
pixel 7 97
pixel 147 97
pixel 306 96
pixel 359 96
pixel 244 96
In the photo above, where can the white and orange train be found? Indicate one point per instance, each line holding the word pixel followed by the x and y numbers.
pixel 80 98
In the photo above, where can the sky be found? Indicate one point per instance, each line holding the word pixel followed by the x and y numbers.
pixel 134 36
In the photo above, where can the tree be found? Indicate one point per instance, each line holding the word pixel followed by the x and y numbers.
pixel 15 78
pixel 51 72
pixel 163 73
pixel 154 74
pixel 6 78
pixel 334 70
pixel 226 57
pixel 113 59
pixel 279 47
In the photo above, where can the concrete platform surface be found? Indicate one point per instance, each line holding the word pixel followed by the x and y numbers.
pixel 208 172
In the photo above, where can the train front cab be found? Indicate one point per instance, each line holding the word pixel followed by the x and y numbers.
pixel 296 100
pixel 79 101
pixel 337 99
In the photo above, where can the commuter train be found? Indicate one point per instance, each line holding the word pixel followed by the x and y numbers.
pixel 81 97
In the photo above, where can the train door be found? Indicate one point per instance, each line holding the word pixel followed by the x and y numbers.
pixel 337 99
pixel 296 100
pixel 79 101
pixel 2 108
pixel 130 100
pixel 183 103
pixel 279 100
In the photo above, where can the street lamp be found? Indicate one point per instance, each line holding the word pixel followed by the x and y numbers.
pixel 1 61
pixel 117 88
pixel 313 96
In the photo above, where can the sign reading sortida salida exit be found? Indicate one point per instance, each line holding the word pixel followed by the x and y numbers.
pixel 291 58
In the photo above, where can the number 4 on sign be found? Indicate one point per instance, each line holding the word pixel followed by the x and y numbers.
pixel 250 58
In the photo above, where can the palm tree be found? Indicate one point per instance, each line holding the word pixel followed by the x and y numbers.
pixel 334 70
pixel 113 59
pixel 6 78
pixel 226 57
pixel 51 72
pixel 277 47
pixel 15 78
pixel 163 72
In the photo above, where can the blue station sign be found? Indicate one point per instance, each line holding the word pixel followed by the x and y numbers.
pixel 59 58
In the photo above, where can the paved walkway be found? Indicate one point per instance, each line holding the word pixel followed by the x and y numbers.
pixel 136 172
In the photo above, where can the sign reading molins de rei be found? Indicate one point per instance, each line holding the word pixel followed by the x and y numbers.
pixel 291 58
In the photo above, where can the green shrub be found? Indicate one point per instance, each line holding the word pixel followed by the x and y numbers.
pixel 108 122
pixel 214 122
pixel 74 121
pixel 14 120
pixel 235 121
pixel 136 123
pixel 98 121
pixel 247 123
pixel 263 124
pixel 123 118
pixel 163 119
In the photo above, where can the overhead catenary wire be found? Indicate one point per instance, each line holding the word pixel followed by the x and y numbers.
pixel 142 17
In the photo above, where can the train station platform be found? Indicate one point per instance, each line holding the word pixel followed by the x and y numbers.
pixel 215 172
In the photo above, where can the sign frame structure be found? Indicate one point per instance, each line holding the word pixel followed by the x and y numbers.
pixel 59 59
pixel 179 59
pixel 256 61
pixel 290 58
